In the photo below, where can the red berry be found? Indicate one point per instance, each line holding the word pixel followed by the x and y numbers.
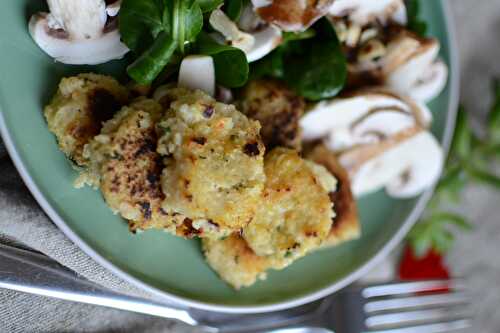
pixel 430 266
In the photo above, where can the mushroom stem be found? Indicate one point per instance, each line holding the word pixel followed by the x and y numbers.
pixel 81 19
pixel 198 72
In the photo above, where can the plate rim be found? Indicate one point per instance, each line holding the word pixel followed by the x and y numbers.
pixel 185 302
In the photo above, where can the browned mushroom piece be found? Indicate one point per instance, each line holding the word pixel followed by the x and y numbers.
pixel 292 15
pixel 345 224
pixel 278 110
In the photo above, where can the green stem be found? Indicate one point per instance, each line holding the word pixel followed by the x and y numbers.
pixel 176 16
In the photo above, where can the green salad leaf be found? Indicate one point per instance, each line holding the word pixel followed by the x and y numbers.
pixel 234 8
pixel 209 5
pixel 141 21
pixel 155 30
pixel 315 67
pixel 415 23
pixel 270 66
pixel 311 62
pixel 187 21
pixel 231 66
pixel 150 64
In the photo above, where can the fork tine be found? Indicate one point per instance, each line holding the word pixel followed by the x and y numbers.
pixel 413 317
pixel 442 327
pixel 411 287
pixel 415 302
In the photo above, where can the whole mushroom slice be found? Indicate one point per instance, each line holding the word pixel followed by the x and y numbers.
pixel 406 165
pixel 364 117
pixel 362 12
pixel 406 63
pixel 408 58
pixel 78 32
pixel 292 15
pixel 431 83
pixel 113 7
pixel 197 72
pixel 256 44
pixel 424 171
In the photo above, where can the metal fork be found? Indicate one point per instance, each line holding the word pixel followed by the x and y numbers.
pixel 413 307
pixel 436 306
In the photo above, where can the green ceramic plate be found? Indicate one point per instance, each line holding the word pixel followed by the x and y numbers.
pixel 168 266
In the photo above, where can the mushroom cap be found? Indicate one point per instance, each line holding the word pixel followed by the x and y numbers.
pixel 292 15
pixel 75 52
pixel 426 163
pixel 406 164
pixel 371 167
pixel 114 8
pixel 256 44
pixel 266 40
pixel 223 24
pixel 197 72
pixel 345 120
pixel 408 58
pixel 365 11
pixel 81 19
pixel 431 83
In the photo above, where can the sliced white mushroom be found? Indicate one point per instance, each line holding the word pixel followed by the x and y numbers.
pixel 424 171
pixel 407 60
pixel 349 121
pixel 223 24
pixel 362 12
pixel 261 3
pixel 75 32
pixel 81 19
pixel 380 125
pixel 113 8
pixel 83 52
pixel 292 15
pixel 381 139
pixel 255 44
pixel 406 166
pixel 431 83
pixel 266 40
pixel 372 168
pixel 197 72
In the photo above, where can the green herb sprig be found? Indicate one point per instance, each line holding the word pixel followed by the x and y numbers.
pixel 470 161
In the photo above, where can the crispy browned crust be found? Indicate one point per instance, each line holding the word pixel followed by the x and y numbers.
pixel 290 15
pixel 345 224
pixel 234 261
pixel 80 106
pixel 278 110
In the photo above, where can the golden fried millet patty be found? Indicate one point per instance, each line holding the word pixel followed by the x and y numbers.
pixel 76 113
pixel 234 261
pixel 296 213
pixel 126 166
pixel 214 171
pixel 277 108
pixel 345 224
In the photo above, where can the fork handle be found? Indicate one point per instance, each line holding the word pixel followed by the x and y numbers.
pixel 33 273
